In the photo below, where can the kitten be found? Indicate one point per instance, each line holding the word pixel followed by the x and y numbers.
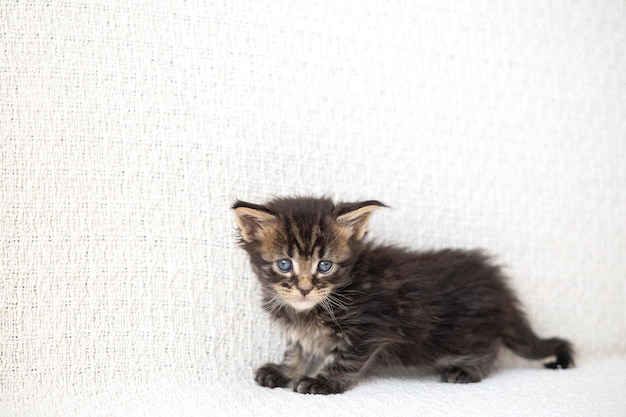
pixel 347 304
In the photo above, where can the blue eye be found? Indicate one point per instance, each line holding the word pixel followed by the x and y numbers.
pixel 284 265
pixel 324 266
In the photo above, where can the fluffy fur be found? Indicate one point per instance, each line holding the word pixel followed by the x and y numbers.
pixel 347 304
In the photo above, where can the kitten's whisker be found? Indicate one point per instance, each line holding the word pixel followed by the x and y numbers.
pixel 345 290
pixel 274 304
pixel 338 295
pixel 327 306
pixel 333 300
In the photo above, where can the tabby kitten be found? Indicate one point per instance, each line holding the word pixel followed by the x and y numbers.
pixel 347 304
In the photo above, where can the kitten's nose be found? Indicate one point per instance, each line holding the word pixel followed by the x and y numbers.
pixel 304 292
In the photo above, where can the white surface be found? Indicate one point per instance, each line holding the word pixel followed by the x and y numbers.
pixel 128 129
pixel 591 390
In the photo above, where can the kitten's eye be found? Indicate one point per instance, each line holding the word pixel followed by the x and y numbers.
pixel 324 266
pixel 284 265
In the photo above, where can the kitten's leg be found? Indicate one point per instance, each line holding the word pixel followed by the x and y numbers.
pixel 281 375
pixel 339 372
pixel 466 369
pixel 458 375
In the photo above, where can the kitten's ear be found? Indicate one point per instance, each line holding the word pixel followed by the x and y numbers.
pixel 252 220
pixel 354 217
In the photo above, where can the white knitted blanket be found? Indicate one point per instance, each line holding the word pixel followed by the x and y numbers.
pixel 128 128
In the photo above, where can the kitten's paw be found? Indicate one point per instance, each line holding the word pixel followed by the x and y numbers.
pixel 317 385
pixel 271 376
pixel 457 376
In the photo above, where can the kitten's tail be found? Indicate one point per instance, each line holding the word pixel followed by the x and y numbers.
pixel 522 340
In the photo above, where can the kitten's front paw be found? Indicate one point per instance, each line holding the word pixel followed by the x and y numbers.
pixel 271 376
pixel 317 385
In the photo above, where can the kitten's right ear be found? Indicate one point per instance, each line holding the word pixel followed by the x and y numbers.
pixel 252 220
pixel 354 217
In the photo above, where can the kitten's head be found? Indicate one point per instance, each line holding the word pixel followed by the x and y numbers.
pixel 303 248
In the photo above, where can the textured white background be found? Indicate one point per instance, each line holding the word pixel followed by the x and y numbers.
pixel 127 129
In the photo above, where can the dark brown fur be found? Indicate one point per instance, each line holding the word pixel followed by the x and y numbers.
pixel 449 309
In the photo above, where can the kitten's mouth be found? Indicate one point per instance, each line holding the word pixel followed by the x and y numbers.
pixel 303 302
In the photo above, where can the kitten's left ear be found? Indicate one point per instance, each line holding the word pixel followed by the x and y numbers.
pixel 252 219
pixel 354 217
